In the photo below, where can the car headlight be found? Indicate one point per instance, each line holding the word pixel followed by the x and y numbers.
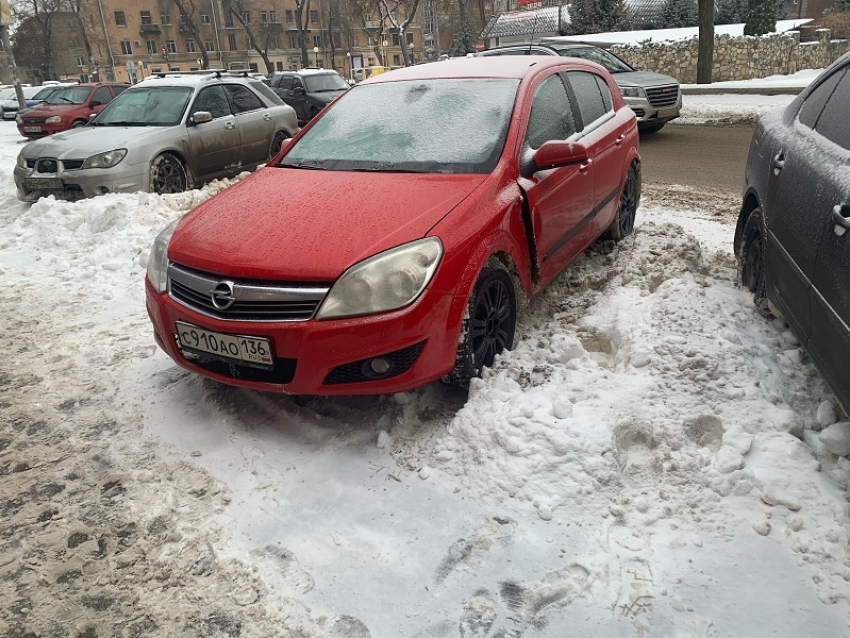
pixel 105 160
pixel 386 281
pixel 53 119
pixel 158 259
pixel 631 91
pixel 22 162
pixel 19 119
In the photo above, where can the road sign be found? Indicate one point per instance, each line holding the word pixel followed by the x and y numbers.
pixel 131 66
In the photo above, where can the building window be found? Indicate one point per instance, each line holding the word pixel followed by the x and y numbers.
pixel 126 49
pixel 253 66
pixel 249 44
pixel 246 17
pixel 194 68
pixel 272 16
pixel 166 19
pixel 171 46
pixel 231 41
pixel 151 44
pixel 80 62
pixel 156 69
pixel 314 17
pixel 337 40
pixel 174 67
pixel 396 60
pixel 317 41
pixel 190 46
pixel 289 18
pixel 205 18
pixel 145 17
pixel 409 37
pixel 120 20
pixel 275 42
pixel 228 20
pixel 264 17
pixel 209 45
pixel 279 65
pixel 293 42
pixel 395 39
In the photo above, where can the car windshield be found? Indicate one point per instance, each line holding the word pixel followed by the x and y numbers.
pixel 146 106
pixel 428 126
pixel 611 62
pixel 45 93
pixel 72 95
pixel 325 83
pixel 7 94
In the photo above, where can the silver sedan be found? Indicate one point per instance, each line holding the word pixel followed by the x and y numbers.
pixel 163 135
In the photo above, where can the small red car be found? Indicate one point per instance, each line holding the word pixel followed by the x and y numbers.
pixel 382 248
pixel 70 107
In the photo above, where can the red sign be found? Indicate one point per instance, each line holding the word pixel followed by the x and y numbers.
pixel 520 15
pixel 479 46
pixel 537 4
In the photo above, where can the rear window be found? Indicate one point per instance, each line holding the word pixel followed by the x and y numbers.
pixel 604 58
pixel 266 92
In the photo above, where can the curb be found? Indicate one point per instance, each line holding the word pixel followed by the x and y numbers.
pixel 716 90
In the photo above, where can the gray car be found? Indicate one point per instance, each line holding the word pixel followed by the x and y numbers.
pixel 655 98
pixel 166 134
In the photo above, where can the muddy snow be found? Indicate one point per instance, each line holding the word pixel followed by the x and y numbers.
pixel 648 461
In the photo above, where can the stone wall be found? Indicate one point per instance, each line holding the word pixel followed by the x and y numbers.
pixel 737 58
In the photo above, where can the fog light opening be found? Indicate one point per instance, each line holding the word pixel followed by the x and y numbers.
pixel 380 366
pixel 101 190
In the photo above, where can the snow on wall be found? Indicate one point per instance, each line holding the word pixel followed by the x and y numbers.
pixel 736 58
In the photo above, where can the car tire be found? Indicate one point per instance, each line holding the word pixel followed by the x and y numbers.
pixel 751 262
pixel 489 325
pixel 313 112
pixel 277 141
pixel 78 124
pixel 168 175
pixel 624 221
pixel 652 128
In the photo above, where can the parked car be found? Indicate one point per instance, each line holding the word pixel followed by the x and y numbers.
pixel 308 91
pixel 655 98
pixel 33 96
pixel 163 135
pixel 70 107
pixel 379 254
pixel 792 238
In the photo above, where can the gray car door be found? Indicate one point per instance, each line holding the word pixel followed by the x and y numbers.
pixel 255 124
pixel 793 207
pixel 214 146
pixel 829 343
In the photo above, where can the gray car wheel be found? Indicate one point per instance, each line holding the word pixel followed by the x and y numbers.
pixel 78 124
pixel 168 174
pixel 752 263
pixel 624 221
pixel 277 142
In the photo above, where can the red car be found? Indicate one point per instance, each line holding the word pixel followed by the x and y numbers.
pixel 382 248
pixel 70 107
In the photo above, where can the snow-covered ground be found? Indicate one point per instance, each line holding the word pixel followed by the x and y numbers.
pixel 646 462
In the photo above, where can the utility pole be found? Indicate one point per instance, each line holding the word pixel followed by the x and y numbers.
pixel 5 23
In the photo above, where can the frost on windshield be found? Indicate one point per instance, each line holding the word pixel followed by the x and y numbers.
pixel 162 106
pixel 424 125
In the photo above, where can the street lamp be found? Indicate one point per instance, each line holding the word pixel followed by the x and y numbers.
pixel 385 44
pixel 348 57
pixel 316 51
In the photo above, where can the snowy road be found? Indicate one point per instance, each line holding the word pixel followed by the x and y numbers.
pixel 644 463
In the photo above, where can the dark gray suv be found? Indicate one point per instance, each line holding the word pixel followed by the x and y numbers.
pixel 655 98
pixel 793 235
pixel 308 91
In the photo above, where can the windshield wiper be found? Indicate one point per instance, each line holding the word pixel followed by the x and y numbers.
pixel 124 123
pixel 378 169
pixel 306 167
pixel 66 99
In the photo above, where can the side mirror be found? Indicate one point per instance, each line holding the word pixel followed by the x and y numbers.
pixel 555 154
pixel 95 103
pixel 298 90
pixel 201 117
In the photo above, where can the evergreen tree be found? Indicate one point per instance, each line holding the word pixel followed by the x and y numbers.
pixel 599 16
pixel 731 11
pixel 761 18
pixel 679 13
pixel 841 5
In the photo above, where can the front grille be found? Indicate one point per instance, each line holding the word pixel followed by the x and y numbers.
pixel 34 120
pixel 47 166
pixel 10 109
pixel 30 163
pixel 358 371
pixel 283 371
pixel 639 113
pixel 661 96
pixel 72 165
pixel 251 300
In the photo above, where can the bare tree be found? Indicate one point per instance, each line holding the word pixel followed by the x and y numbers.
pixel 401 26
pixel 302 17
pixel 705 48
pixel 187 9
pixel 237 10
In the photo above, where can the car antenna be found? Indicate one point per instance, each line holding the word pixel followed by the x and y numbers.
pixel 533 29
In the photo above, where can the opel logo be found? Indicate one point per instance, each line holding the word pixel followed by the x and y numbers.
pixel 222 295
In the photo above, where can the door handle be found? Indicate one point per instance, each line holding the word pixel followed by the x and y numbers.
pixel 778 162
pixel 619 140
pixel 585 166
pixel 841 215
pixel 267 117
pixel 230 125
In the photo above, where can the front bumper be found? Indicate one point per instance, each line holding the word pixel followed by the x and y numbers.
pixel 10 114
pixel 80 183
pixel 325 357
pixel 647 114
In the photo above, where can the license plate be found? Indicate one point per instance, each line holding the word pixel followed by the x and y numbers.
pixel 44 183
pixel 252 350
pixel 32 129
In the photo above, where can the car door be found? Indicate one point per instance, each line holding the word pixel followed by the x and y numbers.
pixel 560 198
pixel 791 207
pixel 829 343
pixel 298 99
pixel 215 147
pixel 254 122
pixel 99 99
pixel 603 133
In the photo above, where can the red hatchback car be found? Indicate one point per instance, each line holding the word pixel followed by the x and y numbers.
pixel 382 248
pixel 70 107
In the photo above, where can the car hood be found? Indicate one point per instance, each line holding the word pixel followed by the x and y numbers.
pixel 307 225
pixel 643 79
pixel 327 96
pixel 83 142
pixel 46 110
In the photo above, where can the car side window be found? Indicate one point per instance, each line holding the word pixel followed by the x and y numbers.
pixel 832 123
pixel 815 102
pixel 587 92
pixel 118 89
pixel 607 101
pixel 296 84
pixel 551 116
pixel 213 100
pixel 285 84
pixel 242 99
pixel 102 95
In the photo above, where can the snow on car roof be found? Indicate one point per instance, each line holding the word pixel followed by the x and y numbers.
pixel 190 79
pixel 492 67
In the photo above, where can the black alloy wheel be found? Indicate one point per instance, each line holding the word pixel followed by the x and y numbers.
pixel 490 327
pixel 752 262
pixel 167 175
pixel 624 221
pixel 277 142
